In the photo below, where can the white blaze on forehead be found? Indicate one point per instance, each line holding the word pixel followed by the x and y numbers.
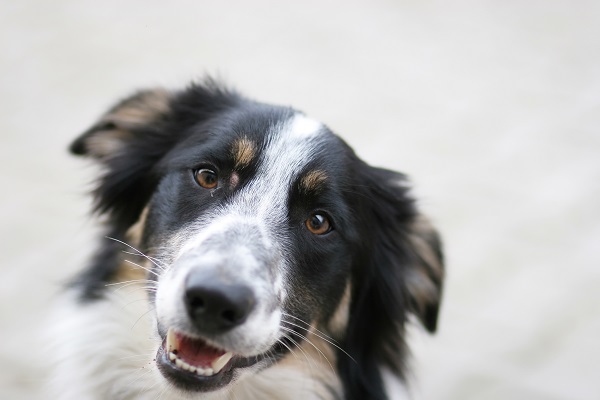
pixel 302 126
pixel 290 146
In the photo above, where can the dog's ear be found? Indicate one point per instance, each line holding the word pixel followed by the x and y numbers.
pixel 120 125
pixel 127 141
pixel 405 244
pixel 425 272
pixel 130 139
pixel 399 271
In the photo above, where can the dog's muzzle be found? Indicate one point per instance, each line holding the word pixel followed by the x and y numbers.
pixel 218 309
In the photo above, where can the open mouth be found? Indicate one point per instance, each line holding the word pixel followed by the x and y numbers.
pixel 194 355
pixel 192 364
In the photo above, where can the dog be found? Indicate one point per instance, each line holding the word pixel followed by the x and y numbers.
pixel 248 254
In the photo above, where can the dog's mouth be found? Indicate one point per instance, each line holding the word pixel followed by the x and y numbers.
pixel 192 364
pixel 195 355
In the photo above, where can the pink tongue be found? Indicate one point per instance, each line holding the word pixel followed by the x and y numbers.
pixel 196 352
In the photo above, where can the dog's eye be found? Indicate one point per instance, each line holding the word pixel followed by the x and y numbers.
pixel 206 178
pixel 318 224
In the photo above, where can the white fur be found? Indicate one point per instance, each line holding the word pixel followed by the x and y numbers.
pixel 105 350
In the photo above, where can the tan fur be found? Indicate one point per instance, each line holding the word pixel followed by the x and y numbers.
pixel 338 322
pixel 110 142
pixel 429 269
pixel 312 181
pixel 127 271
pixel 134 233
pixel 142 109
pixel 243 152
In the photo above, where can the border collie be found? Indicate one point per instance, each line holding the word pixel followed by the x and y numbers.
pixel 248 254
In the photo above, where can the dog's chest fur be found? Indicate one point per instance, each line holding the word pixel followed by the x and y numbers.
pixel 106 351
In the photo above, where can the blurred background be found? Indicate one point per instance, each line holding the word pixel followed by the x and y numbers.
pixel 492 107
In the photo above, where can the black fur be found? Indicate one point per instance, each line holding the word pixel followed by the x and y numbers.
pixel 375 251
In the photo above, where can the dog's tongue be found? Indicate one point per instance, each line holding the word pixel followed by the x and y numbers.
pixel 196 352
pixel 193 351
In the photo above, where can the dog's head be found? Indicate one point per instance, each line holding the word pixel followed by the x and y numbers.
pixel 260 227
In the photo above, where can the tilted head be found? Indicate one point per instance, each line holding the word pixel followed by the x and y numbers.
pixel 261 227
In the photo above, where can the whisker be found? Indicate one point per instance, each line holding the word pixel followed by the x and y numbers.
pixel 144 268
pixel 135 288
pixel 132 282
pixel 309 325
pixel 307 340
pixel 133 301
pixel 138 252
pixel 287 347
pixel 310 364
pixel 321 337
pixel 142 316
pixel 125 305
pixel 158 263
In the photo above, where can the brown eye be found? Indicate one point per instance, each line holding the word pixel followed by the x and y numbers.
pixel 318 224
pixel 206 178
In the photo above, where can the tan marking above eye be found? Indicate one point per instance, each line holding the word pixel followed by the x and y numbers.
pixel 313 180
pixel 243 151
pixel 206 178
pixel 318 223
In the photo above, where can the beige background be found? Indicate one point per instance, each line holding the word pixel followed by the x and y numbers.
pixel 493 107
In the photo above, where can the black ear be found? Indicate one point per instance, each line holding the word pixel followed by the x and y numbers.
pixel 399 271
pixel 132 136
pixel 405 245
pixel 127 140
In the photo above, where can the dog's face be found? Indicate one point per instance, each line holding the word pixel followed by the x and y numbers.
pixel 260 226
pixel 254 234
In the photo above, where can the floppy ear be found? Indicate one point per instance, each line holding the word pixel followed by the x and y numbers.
pixel 127 140
pixel 405 246
pixel 399 271
pixel 425 273
pixel 121 123
pixel 132 137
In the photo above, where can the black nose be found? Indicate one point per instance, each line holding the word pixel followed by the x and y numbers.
pixel 214 305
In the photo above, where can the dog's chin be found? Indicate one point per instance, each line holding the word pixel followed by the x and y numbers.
pixel 191 364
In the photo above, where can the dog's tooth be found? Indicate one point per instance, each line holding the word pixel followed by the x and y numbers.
pixel 193 369
pixel 185 366
pixel 172 356
pixel 218 364
pixel 205 372
pixel 179 363
pixel 171 340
